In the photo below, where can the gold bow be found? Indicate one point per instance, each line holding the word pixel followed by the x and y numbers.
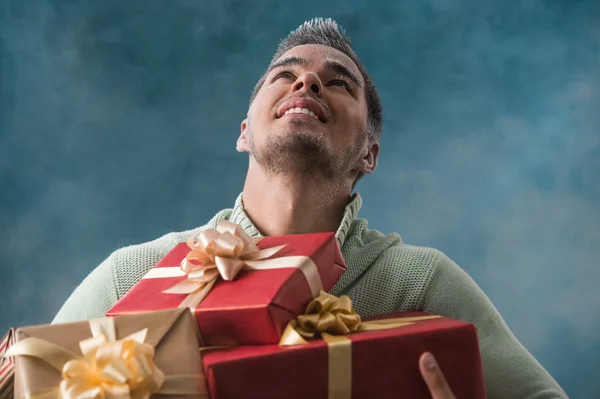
pixel 333 318
pixel 223 251
pixel 328 314
pixel 108 369
pixel 112 368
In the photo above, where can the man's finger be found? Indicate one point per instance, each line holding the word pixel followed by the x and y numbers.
pixel 434 378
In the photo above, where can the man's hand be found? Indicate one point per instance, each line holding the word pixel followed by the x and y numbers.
pixel 434 378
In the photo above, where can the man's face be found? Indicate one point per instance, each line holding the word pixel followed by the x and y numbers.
pixel 310 115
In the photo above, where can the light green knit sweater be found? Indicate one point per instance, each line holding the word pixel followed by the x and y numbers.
pixel 384 275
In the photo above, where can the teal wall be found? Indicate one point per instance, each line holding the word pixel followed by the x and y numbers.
pixel 118 122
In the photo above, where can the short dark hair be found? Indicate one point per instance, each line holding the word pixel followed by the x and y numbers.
pixel 327 32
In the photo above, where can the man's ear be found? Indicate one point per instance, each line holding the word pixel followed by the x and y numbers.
pixel 368 163
pixel 242 144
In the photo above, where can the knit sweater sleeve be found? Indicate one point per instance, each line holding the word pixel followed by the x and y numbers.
pixel 93 297
pixel 114 277
pixel 510 371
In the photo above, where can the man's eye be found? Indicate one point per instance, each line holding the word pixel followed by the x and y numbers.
pixel 284 75
pixel 343 83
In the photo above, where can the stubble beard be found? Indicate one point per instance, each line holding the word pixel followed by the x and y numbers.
pixel 300 152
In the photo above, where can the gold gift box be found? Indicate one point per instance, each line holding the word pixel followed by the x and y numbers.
pixel 172 333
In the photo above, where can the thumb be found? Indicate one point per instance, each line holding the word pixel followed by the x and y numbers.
pixel 434 378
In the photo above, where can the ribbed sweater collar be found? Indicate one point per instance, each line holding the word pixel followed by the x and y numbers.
pixel 239 216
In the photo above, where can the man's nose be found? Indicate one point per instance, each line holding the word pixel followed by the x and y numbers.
pixel 309 82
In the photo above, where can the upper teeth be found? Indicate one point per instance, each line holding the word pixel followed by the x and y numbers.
pixel 301 111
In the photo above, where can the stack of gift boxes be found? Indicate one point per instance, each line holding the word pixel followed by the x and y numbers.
pixel 227 316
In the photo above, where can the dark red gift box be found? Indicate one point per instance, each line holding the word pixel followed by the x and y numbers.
pixel 255 307
pixel 384 364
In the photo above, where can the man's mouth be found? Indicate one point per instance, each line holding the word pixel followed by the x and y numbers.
pixel 302 106
pixel 304 111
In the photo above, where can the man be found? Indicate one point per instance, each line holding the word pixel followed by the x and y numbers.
pixel 312 130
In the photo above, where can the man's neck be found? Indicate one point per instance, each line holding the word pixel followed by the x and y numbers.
pixel 286 204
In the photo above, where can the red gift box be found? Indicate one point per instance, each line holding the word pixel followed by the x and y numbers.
pixel 255 307
pixel 7 366
pixel 384 364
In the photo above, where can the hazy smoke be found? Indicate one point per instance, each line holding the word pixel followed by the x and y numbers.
pixel 118 123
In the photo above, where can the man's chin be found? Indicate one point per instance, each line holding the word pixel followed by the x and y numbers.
pixel 295 151
pixel 303 133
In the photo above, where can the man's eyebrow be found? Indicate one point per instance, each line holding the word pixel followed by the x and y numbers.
pixel 329 64
pixel 288 62
pixel 342 70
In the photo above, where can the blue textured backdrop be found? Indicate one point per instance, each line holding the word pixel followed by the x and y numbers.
pixel 118 123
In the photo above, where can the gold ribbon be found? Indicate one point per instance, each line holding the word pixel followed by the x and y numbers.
pixel 223 252
pixel 108 368
pixel 333 318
